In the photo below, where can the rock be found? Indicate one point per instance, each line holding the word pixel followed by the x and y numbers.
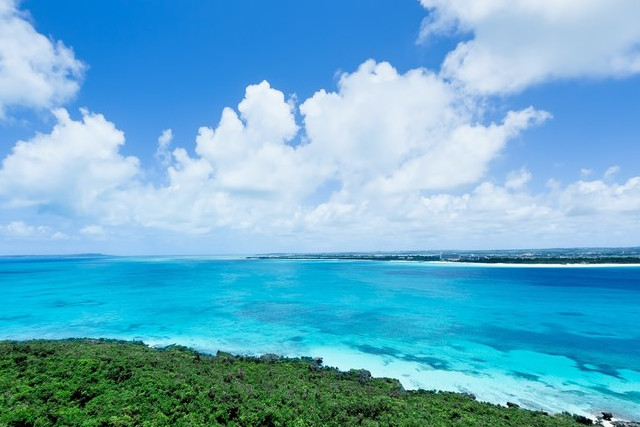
pixel 626 424
pixel 269 357
pixel 364 375
pixel 470 395
pixel 607 416
pixel 225 357
pixel 583 420
pixel 315 363
pixel 512 405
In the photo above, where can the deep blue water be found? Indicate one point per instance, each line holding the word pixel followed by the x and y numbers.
pixel 552 338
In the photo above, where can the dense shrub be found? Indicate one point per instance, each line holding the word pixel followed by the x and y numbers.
pixel 114 383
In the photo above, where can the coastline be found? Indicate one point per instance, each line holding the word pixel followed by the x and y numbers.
pixel 524 265
pixel 493 386
pixel 528 396
pixel 315 363
pixel 470 335
pixel 552 262
pixel 413 377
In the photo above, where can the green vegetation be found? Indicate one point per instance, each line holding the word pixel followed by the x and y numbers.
pixel 115 383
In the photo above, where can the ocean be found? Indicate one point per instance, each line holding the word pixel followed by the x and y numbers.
pixel 554 338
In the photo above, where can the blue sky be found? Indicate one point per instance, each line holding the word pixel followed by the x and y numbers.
pixel 241 127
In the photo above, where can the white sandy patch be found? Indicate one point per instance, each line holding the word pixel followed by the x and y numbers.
pixel 548 393
pixel 517 265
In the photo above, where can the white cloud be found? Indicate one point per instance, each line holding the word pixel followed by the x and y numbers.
pixel 359 152
pixel 368 152
pixel 69 171
pixel 388 132
pixel 163 154
pixel 250 154
pixel 584 213
pixel 381 138
pixel 246 173
pixel 610 172
pixel 35 71
pixel 386 162
pixel 600 197
pixel 518 179
pixel 22 230
pixel 585 172
pixel 93 230
pixel 518 43
pixel 58 235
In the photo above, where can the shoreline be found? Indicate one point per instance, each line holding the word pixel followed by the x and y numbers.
pixel 460 263
pixel 445 380
pixel 490 339
pixel 533 265
pixel 132 384
pixel 450 381
pixel 329 362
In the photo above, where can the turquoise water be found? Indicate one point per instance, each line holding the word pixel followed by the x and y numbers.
pixel 551 338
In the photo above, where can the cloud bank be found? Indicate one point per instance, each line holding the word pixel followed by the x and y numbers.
pixel 381 139
pixel 387 160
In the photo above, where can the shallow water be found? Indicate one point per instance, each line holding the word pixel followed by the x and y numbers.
pixel 553 338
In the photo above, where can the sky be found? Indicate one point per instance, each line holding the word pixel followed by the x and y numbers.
pixel 217 127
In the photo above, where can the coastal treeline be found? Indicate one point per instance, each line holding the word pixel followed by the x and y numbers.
pixel 115 383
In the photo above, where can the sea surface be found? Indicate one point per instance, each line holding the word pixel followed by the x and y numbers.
pixel 563 338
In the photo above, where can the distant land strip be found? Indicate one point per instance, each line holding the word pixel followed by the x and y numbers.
pixel 465 258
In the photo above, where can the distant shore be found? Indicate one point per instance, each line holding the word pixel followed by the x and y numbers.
pixel 541 265
pixel 530 261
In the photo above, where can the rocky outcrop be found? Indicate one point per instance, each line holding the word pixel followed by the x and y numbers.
pixel 364 376
pixel 270 357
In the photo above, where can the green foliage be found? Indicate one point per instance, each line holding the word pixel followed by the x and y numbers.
pixel 115 383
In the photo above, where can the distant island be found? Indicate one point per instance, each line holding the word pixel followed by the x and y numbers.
pixel 522 256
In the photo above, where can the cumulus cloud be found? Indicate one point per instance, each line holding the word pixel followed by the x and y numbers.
pixel 250 154
pixel 600 197
pixel 35 71
pixel 509 214
pixel 246 173
pixel 387 160
pixel 518 179
pixel 70 170
pixel 21 229
pixel 518 43
pixel 379 138
pixel 389 132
